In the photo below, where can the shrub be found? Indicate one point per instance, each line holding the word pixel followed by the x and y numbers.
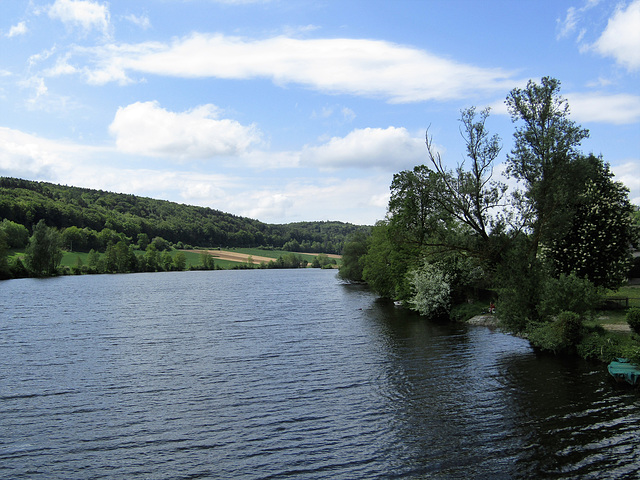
pixel 633 319
pixel 560 336
pixel 431 288
pixel 567 293
pixel 465 311
pixel 598 345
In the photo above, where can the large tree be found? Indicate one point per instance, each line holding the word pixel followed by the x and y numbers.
pixel 353 258
pixel 596 244
pixel 471 196
pixel 43 254
pixel 546 145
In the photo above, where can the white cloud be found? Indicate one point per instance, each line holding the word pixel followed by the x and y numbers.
pixel 38 86
pixel 83 13
pixel 617 109
pixel 391 148
pixel 573 19
pixel 356 200
pixel 19 29
pixel 141 21
pixel 621 37
pixel 26 155
pixel 369 68
pixel 627 173
pixel 145 128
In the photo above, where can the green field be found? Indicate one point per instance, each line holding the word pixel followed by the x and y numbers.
pixel 70 259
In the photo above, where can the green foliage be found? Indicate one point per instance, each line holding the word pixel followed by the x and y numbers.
pixel 386 264
pixel 18 269
pixel 546 143
pixel 143 241
pixel 92 259
pixel 353 256
pixel 288 260
pixel 598 345
pixel 518 282
pixel 5 270
pixel 560 336
pixel 16 235
pixel 160 244
pixel 567 293
pixel 462 312
pixel 431 288
pixel 207 261
pixel 43 254
pixel 131 217
pixel 322 260
pixel 595 243
pixel 180 261
pixel 633 319
pixel 471 196
pixel 414 207
pixel 151 259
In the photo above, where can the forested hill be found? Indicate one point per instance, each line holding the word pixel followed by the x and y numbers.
pixel 27 202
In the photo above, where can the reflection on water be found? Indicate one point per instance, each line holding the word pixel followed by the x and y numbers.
pixel 285 374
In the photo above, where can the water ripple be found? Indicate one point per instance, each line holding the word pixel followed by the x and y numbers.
pixel 285 374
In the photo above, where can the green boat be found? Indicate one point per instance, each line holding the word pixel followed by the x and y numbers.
pixel 624 371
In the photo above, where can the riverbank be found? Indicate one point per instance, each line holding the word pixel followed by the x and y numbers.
pixel 603 337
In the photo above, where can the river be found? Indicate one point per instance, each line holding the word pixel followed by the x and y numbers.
pixel 286 374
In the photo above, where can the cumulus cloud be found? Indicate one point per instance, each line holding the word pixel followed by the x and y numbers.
pixel 621 37
pixel 28 156
pixel 145 128
pixel 360 200
pixel 85 14
pixel 617 109
pixel 390 148
pixel 363 67
pixel 19 29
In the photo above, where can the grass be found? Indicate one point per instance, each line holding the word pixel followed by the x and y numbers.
pixel 632 292
pixel 618 316
pixel 70 259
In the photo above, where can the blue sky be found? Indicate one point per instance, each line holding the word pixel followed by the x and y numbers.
pixel 288 110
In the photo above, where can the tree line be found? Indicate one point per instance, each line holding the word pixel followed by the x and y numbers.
pixel 98 215
pixel 455 238
pixel 43 252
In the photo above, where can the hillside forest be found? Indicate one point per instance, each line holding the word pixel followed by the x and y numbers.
pixel 131 233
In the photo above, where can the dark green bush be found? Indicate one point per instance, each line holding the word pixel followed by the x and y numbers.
pixel 559 336
pixel 567 293
pixel 633 319
pixel 598 345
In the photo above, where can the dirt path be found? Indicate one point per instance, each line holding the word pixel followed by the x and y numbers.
pixel 235 256
pixel 617 327
pixel 330 255
pixel 244 258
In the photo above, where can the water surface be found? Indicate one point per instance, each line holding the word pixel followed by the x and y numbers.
pixel 285 374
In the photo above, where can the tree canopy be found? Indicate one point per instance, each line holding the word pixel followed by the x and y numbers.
pixel 454 235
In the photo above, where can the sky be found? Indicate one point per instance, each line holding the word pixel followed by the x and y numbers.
pixel 291 110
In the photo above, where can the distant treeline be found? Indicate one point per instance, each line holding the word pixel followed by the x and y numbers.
pixel 99 213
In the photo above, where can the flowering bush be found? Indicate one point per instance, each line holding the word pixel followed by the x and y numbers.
pixel 431 288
